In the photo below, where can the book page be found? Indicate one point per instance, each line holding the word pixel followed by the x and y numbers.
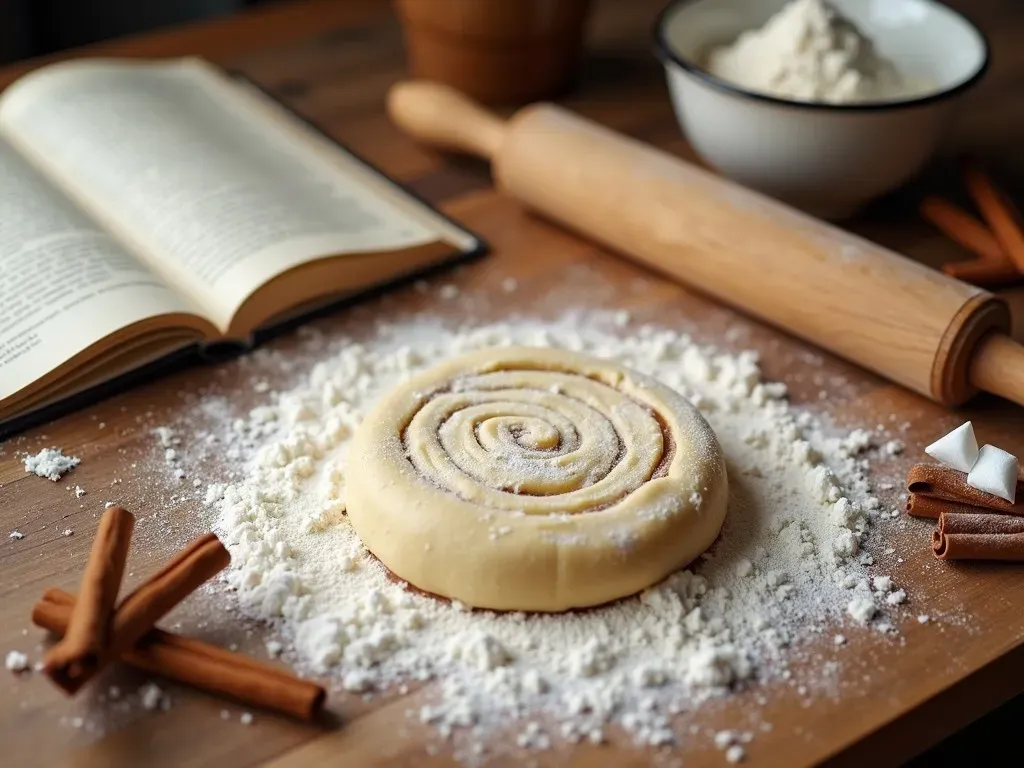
pixel 179 162
pixel 64 283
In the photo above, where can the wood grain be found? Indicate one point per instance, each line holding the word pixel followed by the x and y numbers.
pixel 898 697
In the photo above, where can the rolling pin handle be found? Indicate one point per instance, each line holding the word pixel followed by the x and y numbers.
pixel 437 114
pixel 998 367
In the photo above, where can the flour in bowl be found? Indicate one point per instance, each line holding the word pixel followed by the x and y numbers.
pixel 810 52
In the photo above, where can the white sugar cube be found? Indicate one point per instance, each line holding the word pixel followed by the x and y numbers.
pixel 958 449
pixel 995 472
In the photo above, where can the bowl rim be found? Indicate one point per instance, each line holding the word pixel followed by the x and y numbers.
pixel 667 56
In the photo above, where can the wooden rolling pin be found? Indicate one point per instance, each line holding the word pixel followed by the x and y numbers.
pixel 912 324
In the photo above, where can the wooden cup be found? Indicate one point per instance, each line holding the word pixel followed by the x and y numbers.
pixel 496 51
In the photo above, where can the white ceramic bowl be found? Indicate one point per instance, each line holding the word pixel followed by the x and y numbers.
pixel 825 158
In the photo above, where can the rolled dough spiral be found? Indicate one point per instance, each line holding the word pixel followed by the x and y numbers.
pixel 535 479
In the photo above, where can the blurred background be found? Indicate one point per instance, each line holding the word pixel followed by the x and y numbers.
pixel 35 27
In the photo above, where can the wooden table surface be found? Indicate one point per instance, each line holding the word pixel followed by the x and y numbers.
pixel 332 60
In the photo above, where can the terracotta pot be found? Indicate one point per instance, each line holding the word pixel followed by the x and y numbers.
pixel 497 51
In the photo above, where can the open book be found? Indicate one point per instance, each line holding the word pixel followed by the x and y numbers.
pixel 148 207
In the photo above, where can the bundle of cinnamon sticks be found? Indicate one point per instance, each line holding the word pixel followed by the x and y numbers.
pixel 970 524
pixel 997 243
pixel 95 632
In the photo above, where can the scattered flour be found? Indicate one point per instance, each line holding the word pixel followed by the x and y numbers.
pixel 50 463
pixel 735 754
pixel 893 448
pixel 170 441
pixel 896 598
pixel 725 739
pixel 16 661
pixel 882 583
pixel 772 585
pixel 152 697
pixel 862 609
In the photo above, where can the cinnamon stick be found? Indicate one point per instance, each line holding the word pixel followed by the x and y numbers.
pixel 920 505
pixel 962 228
pixel 89 624
pixel 941 482
pixel 200 665
pixel 978 536
pixel 984 273
pixel 151 601
pixel 1000 214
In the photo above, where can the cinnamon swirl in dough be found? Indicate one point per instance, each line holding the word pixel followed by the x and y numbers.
pixel 535 480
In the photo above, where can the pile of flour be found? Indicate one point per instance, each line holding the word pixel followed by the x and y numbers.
pixel 788 572
pixel 50 463
pixel 809 52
